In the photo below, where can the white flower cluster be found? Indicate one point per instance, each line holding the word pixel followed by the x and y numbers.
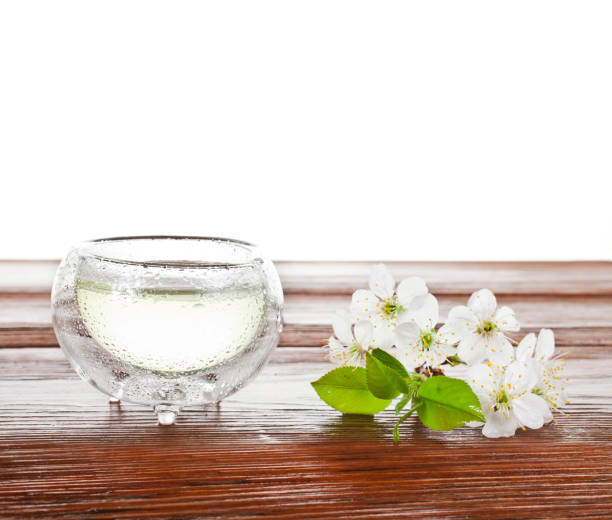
pixel 517 387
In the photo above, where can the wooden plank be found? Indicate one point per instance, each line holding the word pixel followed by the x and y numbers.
pixel 25 320
pixel 576 320
pixel 275 450
pixel 459 278
pixel 546 278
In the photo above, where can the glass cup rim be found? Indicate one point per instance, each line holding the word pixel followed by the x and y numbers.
pixel 83 249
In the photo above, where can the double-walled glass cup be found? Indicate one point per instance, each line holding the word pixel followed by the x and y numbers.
pixel 167 321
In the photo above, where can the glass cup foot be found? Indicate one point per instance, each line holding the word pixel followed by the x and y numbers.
pixel 166 414
pixel 117 394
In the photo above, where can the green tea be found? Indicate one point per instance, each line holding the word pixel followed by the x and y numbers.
pixel 171 330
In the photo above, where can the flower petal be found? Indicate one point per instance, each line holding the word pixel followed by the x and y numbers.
pixel 499 426
pixel 499 349
pixel 336 352
pixel 364 333
pixel 526 347
pixel 537 367
pixel 426 317
pixel 530 410
pixel 434 356
pixel 363 303
pixel 483 380
pixel 545 346
pixel 381 281
pixel 410 357
pixel 449 350
pixel 518 378
pixel 505 320
pixel 409 289
pixel 483 304
pixel 472 349
pixel 407 334
pixel 461 322
pixel 448 335
pixel 341 323
pixel 383 333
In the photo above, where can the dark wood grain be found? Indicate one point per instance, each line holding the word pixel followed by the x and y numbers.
pixel 578 320
pixel 548 278
pixel 274 450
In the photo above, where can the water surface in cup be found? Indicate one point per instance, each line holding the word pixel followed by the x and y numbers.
pixel 171 330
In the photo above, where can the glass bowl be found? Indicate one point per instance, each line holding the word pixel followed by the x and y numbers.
pixel 167 321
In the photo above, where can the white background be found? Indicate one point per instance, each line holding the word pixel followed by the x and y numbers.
pixel 319 129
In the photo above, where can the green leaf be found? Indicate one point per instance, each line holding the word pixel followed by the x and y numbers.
pixel 401 404
pixel 455 360
pixel 381 379
pixel 346 390
pixel 388 360
pixel 447 403
pixel 387 377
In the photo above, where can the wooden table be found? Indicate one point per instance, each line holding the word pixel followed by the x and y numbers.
pixel 274 449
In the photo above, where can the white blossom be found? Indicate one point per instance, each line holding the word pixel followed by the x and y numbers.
pixel 418 343
pixel 540 354
pixel 350 341
pixel 383 304
pixel 506 397
pixel 480 329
